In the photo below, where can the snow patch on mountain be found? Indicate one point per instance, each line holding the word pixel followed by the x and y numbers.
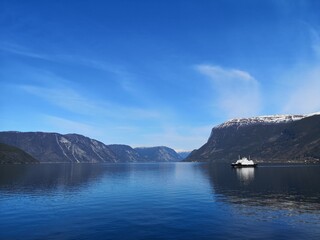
pixel 270 119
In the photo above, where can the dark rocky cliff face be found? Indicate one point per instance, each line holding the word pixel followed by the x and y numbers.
pixel 54 147
pixel 297 140
pixel 159 154
pixel 13 155
pixel 74 148
pixel 126 153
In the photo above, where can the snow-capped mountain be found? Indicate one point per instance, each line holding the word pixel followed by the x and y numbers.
pixel 277 138
pixel 270 119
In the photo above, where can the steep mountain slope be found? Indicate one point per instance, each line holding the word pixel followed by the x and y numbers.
pixel 126 153
pixel 159 154
pixel 54 147
pixel 10 154
pixel 74 148
pixel 184 154
pixel 270 138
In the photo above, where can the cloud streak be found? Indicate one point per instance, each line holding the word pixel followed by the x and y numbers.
pixel 304 96
pixel 22 51
pixel 236 92
pixel 63 125
pixel 75 102
pixel 218 74
pixel 315 36
pixel 65 98
pixel 303 82
pixel 178 137
pixel 62 58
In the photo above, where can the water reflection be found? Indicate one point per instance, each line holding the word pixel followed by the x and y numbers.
pixel 280 187
pixel 246 175
pixel 158 201
pixel 48 178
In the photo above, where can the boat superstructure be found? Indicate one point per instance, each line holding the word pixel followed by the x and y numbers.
pixel 244 162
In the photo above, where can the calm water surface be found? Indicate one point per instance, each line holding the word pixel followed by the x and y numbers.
pixel 159 201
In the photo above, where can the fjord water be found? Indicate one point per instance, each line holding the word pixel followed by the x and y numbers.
pixel 159 201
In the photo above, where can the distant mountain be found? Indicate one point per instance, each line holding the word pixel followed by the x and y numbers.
pixel 184 154
pixel 10 154
pixel 126 153
pixel 159 154
pixel 274 138
pixel 74 148
pixel 54 147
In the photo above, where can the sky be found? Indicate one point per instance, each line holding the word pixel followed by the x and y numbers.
pixel 155 73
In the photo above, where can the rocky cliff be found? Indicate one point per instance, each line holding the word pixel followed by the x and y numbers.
pixel 126 153
pixel 54 147
pixel 278 138
pixel 75 148
pixel 13 155
pixel 159 154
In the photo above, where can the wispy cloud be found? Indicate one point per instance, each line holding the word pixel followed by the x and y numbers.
pixel 304 96
pixel 303 81
pixel 73 101
pixel 63 125
pixel 218 73
pixel 236 92
pixel 113 72
pixel 65 98
pixel 177 137
pixel 61 58
pixel 315 37
pixel 22 51
pixel 90 63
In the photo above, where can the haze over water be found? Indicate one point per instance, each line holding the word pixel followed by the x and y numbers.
pixel 159 201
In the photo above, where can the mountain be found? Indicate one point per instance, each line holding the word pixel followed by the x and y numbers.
pixel 10 154
pixel 126 153
pixel 184 154
pixel 159 154
pixel 75 148
pixel 277 138
pixel 54 147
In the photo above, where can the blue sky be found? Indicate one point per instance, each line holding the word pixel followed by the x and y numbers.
pixel 148 73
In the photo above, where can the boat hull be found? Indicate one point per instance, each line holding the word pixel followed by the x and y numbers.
pixel 237 165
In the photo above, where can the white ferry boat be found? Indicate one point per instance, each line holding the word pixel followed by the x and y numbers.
pixel 244 162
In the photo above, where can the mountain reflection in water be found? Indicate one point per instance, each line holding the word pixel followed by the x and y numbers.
pixel 158 201
pixel 290 187
pixel 48 178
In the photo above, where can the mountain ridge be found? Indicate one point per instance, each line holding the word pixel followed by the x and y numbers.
pixel 295 140
pixel 159 153
pixel 266 119
pixel 72 148
pixel 14 155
